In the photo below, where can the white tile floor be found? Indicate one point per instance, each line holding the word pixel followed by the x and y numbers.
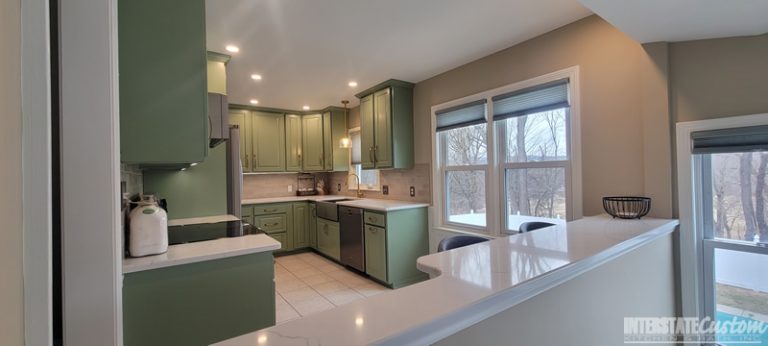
pixel 306 283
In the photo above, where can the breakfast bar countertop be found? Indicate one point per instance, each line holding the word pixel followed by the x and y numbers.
pixel 203 250
pixel 469 284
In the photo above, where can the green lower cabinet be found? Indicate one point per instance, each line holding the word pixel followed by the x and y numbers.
pixel 277 221
pixel 312 225
pixel 199 303
pixel 393 243
pixel 376 252
pixel 246 214
pixel 328 238
pixel 300 226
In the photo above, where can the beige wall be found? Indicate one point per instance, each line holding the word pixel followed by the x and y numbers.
pixel 614 88
pixel 11 289
pixel 718 77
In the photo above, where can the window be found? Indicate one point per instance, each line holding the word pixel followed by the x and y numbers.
pixel 731 167
pixel 369 178
pixel 503 157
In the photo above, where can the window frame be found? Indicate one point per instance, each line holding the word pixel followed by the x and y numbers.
pixel 695 244
pixel 351 181
pixel 495 168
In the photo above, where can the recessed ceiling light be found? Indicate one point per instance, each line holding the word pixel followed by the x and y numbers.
pixel 232 48
pixel 254 101
pixel 193 164
pixel 306 108
pixel 256 76
pixel 353 84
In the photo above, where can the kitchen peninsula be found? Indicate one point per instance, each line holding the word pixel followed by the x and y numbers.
pixel 476 286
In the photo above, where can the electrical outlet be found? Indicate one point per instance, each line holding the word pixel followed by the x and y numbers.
pixel 338 187
pixel 290 188
pixel 385 189
pixel 413 191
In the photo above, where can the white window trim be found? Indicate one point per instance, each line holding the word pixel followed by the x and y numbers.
pixel 691 235
pixel 495 220
pixel 351 181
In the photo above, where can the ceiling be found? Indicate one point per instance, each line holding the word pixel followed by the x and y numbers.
pixel 683 20
pixel 308 50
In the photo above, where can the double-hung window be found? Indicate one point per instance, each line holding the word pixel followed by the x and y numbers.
pixel 532 126
pixel 504 157
pixel 461 132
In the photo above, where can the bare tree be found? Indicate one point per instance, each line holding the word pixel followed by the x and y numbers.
pixel 745 182
pixel 522 156
pixel 760 222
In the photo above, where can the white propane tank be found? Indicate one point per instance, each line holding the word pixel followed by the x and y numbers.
pixel 148 228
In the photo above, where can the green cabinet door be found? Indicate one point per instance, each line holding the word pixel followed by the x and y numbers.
pixel 328 143
pixel 382 115
pixel 242 119
pixel 367 134
pixel 376 252
pixel 268 138
pixel 163 82
pixel 312 142
pixel 199 303
pixel 300 226
pixel 328 240
pixel 338 130
pixel 293 154
pixel 312 225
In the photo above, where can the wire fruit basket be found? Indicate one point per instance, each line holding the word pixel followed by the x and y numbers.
pixel 627 207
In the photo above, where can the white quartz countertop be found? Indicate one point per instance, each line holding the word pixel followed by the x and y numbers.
pixel 203 250
pixel 471 284
pixel 363 203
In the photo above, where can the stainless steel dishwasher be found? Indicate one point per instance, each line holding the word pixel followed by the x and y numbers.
pixel 352 241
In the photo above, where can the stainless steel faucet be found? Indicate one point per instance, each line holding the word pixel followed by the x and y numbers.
pixel 359 193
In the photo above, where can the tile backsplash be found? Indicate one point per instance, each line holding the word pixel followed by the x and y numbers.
pixel 274 185
pixel 399 182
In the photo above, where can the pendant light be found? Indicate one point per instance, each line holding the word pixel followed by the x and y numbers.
pixel 345 142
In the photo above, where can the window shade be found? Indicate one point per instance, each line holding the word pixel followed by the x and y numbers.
pixel 460 116
pixel 356 148
pixel 730 140
pixel 540 98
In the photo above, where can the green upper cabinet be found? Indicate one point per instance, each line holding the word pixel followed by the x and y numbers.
pixel 386 121
pixel 313 158
pixel 268 140
pixel 163 82
pixel 328 143
pixel 366 132
pixel 334 129
pixel 293 154
pixel 242 119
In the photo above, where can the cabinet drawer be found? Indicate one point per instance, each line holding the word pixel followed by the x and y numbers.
pixel 276 223
pixel 264 209
pixel 246 211
pixel 373 218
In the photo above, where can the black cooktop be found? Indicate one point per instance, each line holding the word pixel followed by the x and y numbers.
pixel 209 231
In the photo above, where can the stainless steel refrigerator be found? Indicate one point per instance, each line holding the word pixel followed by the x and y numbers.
pixel 234 173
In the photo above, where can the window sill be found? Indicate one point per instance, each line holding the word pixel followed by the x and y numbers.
pixel 483 233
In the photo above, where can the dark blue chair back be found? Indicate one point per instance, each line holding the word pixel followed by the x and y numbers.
pixel 459 241
pixel 534 225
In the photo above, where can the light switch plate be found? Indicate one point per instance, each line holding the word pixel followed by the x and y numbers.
pixel 338 187
pixel 413 191
pixel 385 189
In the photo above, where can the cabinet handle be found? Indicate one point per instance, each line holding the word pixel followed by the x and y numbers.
pixel 246 160
pixel 270 210
pixel 375 149
pixel 272 224
pixel 253 160
pixel 370 154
